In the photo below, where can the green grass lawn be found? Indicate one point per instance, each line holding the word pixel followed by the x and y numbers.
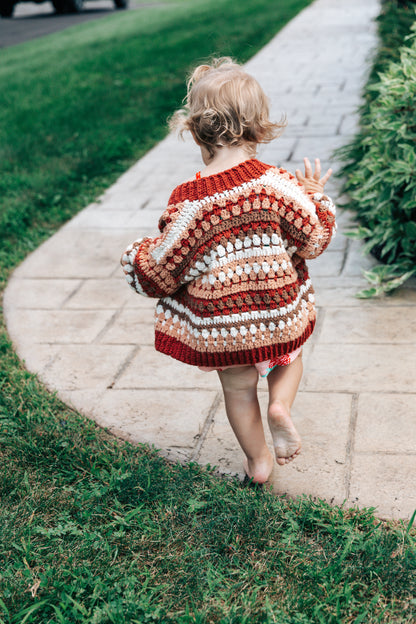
pixel 94 530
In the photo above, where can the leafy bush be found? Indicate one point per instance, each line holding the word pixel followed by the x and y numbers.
pixel 381 173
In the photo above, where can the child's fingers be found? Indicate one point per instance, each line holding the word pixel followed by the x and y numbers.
pixel 308 168
pixel 317 173
pixel 326 177
pixel 299 176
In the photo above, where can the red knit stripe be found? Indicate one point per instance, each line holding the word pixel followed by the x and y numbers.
pixel 219 182
pixel 176 349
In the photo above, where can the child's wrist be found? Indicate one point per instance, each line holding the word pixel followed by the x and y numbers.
pixel 311 192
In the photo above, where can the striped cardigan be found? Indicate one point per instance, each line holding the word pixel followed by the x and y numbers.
pixel 229 266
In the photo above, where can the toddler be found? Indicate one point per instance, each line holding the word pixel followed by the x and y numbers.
pixel 229 265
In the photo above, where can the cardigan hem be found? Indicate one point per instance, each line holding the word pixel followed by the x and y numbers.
pixel 182 352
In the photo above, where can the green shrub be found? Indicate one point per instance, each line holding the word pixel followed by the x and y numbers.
pixel 394 25
pixel 381 172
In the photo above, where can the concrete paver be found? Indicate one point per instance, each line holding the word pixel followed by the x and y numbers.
pixel 384 487
pixel 362 367
pixel 61 326
pixel 87 366
pixel 369 325
pixel 75 322
pixel 377 432
pixel 25 294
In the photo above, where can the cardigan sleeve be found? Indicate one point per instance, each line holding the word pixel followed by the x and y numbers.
pixel 158 267
pixel 307 221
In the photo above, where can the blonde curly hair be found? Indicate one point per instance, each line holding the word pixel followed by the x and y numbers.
pixel 225 106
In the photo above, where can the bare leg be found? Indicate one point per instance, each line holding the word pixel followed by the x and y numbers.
pixel 283 384
pixel 240 393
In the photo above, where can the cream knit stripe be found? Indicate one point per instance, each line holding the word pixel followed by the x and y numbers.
pixel 325 202
pixel 272 180
pixel 138 287
pixel 257 333
pixel 251 254
pixel 253 273
pixel 128 268
pixel 231 319
pixel 218 260
pixel 134 283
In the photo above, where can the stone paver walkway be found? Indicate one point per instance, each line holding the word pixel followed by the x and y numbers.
pixel 76 323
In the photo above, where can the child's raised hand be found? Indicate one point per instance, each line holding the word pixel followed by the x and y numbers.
pixel 312 182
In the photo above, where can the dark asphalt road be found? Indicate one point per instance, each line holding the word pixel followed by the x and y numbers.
pixel 32 20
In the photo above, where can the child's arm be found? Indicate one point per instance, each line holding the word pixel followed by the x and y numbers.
pixel 309 223
pixel 158 267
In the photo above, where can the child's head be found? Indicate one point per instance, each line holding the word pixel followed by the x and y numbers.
pixel 226 106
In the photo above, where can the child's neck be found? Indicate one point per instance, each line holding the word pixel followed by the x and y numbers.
pixel 225 158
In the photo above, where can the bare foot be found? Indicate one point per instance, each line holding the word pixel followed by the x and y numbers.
pixel 259 470
pixel 286 440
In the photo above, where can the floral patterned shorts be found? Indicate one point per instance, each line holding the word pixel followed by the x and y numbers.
pixel 263 368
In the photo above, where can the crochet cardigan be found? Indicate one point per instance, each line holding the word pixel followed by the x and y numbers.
pixel 229 266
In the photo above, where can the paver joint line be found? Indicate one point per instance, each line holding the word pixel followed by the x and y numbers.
pixel 355 378
pixel 108 325
pixel 71 294
pixel 123 366
pixel 345 256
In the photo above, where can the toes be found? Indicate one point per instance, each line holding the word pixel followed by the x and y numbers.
pixel 282 461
